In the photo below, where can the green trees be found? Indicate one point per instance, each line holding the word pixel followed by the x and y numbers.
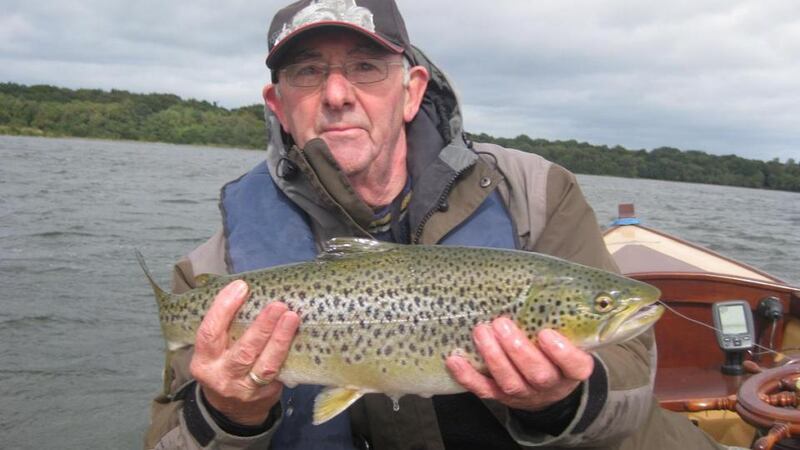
pixel 664 163
pixel 52 111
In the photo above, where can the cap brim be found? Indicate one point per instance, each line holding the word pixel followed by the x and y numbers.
pixel 279 50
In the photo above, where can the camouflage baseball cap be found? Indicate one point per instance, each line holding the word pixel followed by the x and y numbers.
pixel 380 20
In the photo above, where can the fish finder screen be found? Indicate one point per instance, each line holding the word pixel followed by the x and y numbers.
pixel 732 319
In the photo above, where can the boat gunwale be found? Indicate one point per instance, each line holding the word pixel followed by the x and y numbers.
pixel 715 277
pixel 719 276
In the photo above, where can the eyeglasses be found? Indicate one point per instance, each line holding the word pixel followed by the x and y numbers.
pixel 360 71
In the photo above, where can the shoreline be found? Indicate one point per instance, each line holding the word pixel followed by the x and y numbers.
pixel 128 141
pixel 227 147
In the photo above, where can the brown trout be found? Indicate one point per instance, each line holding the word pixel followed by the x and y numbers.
pixel 378 317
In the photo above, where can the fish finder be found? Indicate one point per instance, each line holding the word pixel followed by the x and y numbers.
pixel 733 321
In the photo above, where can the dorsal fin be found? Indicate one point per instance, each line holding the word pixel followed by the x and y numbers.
pixel 345 246
pixel 204 279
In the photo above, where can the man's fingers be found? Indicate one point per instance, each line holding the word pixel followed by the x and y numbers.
pixel 574 363
pixel 211 340
pixel 472 380
pixel 534 366
pixel 245 351
pixel 271 359
pixel 503 371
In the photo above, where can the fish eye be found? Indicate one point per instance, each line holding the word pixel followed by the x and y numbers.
pixel 603 303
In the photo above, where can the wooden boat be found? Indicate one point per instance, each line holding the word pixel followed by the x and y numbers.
pixel 691 279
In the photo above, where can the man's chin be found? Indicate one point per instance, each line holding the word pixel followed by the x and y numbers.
pixel 342 144
pixel 351 159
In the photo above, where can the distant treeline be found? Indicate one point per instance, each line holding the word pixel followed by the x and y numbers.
pixel 93 113
pixel 664 163
pixel 52 111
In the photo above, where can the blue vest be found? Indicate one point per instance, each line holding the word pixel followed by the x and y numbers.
pixel 264 228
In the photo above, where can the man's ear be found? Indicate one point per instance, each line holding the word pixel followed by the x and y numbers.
pixel 274 102
pixel 417 84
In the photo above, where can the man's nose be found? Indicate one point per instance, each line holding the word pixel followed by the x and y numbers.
pixel 337 91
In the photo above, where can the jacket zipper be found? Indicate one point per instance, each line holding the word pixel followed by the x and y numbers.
pixel 442 198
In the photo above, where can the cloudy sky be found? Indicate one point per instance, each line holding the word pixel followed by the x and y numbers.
pixel 721 76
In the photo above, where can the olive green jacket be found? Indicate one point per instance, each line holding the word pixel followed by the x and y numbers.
pixel 550 215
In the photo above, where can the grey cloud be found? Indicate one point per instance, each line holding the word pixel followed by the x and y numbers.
pixel 717 75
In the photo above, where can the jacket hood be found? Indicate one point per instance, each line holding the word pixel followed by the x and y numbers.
pixel 437 153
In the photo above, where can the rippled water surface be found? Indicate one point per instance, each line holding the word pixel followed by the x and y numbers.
pixel 81 347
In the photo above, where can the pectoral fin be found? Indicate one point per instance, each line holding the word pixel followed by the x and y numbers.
pixel 332 401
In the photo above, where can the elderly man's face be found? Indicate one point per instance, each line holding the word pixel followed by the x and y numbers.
pixel 363 124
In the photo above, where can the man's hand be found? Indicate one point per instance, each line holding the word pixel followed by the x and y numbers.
pixel 522 375
pixel 222 367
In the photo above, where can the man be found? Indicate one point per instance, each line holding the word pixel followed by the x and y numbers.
pixel 366 140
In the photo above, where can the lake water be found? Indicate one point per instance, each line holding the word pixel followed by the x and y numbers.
pixel 80 346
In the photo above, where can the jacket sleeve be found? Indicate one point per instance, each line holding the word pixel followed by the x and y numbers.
pixel 617 397
pixel 179 419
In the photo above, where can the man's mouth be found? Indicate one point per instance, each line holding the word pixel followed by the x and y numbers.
pixel 341 131
pixel 339 128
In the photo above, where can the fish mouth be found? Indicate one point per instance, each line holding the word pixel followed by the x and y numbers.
pixel 630 322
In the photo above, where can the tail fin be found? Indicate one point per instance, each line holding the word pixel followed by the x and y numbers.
pixel 161 295
pixel 162 298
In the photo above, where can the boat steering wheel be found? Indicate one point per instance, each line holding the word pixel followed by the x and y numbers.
pixel 769 400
